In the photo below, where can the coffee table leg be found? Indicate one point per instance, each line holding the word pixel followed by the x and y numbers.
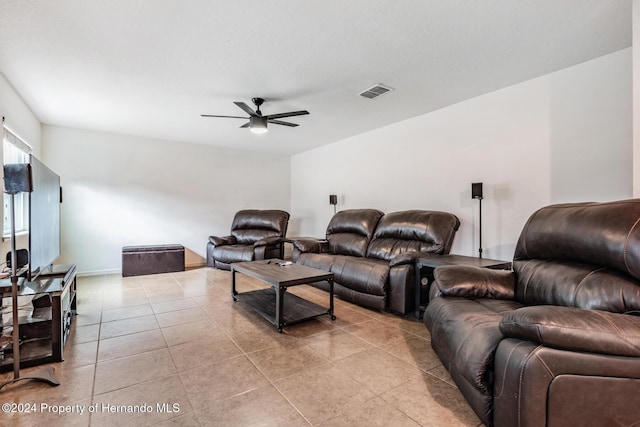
pixel 280 306
pixel 418 285
pixel 331 299
pixel 233 285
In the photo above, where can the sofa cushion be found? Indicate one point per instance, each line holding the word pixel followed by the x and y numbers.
pixel 465 334
pixel 233 253
pixel 251 225
pixel 575 284
pixel 350 231
pixel 602 234
pixel 319 261
pixel 413 231
pixel 361 274
pixel 474 282
pixel 575 329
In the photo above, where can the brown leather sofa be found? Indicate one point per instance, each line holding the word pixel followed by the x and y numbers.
pixel 556 341
pixel 255 234
pixel 372 255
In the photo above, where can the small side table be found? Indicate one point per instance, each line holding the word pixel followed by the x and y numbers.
pixel 426 265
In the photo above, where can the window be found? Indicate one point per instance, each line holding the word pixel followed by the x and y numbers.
pixel 15 150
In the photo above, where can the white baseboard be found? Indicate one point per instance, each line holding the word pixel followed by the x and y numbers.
pixel 119 270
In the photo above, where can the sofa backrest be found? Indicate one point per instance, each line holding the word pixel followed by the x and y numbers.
pixel 350 231
pixel 251 225
pixel 584 255
pixel 413 231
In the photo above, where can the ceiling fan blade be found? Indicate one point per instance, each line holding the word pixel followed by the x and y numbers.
pixel 280 122
pixel 226 117
pixel 246 108
pixel 289 114
pixel 246 125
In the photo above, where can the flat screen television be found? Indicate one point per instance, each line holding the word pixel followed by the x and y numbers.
pixel 44 218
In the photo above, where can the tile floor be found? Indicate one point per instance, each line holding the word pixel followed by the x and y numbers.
pixel 174 349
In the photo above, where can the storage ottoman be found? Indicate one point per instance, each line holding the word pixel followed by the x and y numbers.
pixel 153 259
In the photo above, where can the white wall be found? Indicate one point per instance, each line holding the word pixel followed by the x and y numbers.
pixel 19 117
pixel 124 190
pixel 21 120
pixel 566 136
pixel 636 97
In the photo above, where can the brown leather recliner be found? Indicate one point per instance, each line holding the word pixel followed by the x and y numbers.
pixel 255 234
pixel 556 341
pixel 372 255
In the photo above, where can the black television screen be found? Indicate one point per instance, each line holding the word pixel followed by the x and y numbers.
pixel 44 218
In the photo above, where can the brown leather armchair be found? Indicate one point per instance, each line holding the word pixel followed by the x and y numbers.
pixel 556 341
pixel 255 234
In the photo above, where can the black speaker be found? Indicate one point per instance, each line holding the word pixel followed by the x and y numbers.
pixel 17 178
pixel 333 199
pixel 476 190
pixel 22 258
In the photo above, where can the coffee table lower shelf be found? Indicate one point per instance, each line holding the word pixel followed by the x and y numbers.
pixel 296 309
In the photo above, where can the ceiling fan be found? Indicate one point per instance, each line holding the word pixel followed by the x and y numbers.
pixel 257 122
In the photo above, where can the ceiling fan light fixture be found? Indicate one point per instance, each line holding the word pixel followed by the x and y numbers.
pixel 258 125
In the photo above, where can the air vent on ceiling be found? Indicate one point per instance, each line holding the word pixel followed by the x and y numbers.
pixel 375 91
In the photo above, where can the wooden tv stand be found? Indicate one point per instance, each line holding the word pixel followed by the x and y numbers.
pixel 43 328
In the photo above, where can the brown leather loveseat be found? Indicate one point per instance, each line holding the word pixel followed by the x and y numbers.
pixel 556 341
pixel 255 234
pixel 372 254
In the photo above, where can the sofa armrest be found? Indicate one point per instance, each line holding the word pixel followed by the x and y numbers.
pixel 474 282
pixel 405 258
pixel 575 329
pixel 311 245
pixel 220 241
pixel 269 241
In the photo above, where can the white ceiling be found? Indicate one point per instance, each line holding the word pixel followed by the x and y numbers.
pixel 151 67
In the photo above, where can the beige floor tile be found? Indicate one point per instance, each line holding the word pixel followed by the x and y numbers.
pixel 285 360
pixel 128 326
pixel 221 380
pixel 188 332
pixel 432 402
pixel 179 317
pixel 373 413
pixel 120 313
pixel 179 304
pixel 121 302
pixel 80 354
pixel 88 316
pixel 414 350
pixel 73 414
pixel 75 385
pixel 365 367
pixel 375 332
pixel 254 333
pixel 166 296
pixel 311 327
pixel 80 334
pixel 441 373
pixel 262 406
pixel 322 393
pixel 416 327
pixel 336 344
pixel 126 371
pixel 347 317
pixel 127 345
pixel 186 420
pixel 200 353
pixel 160 399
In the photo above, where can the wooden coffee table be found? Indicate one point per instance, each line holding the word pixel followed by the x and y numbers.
pixel 274 304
